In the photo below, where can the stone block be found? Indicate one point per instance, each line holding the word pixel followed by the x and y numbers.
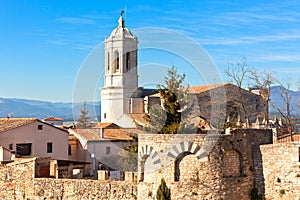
pixel 103 175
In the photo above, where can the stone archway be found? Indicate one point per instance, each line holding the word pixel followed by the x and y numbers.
pixel 178 152
pixel 148 161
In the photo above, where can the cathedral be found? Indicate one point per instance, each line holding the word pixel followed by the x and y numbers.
pixel 124 103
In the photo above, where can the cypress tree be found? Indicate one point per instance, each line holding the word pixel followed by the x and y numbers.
pixel 163 192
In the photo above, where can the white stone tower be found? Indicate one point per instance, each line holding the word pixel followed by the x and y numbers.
pixel 121 78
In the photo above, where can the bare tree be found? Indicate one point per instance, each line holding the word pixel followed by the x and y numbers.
pixel 238 73
pixel 263 81
pixel 285 110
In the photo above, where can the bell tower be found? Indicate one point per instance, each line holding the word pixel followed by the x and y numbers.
pixel 121 79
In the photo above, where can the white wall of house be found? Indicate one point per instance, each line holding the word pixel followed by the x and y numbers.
pixel 78 153
pixel 106 151
pixel 105 148
pixel 5 154
pixel 29 134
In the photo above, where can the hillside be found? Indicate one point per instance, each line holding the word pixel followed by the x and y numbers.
pixel 43 109
pixel 277 101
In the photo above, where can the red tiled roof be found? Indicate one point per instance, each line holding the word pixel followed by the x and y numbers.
pixel 52 119
pixel 106 125
pixel 204 88
pixel 138 118
pixel 11 123
pixel 94 134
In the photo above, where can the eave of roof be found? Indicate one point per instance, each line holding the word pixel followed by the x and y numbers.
pixel 7 124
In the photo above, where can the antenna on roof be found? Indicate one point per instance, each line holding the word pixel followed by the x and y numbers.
pixel 10 115
pixel 125 12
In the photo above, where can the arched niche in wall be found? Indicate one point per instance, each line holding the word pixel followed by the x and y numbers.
pixel 178 152
pixel 232 163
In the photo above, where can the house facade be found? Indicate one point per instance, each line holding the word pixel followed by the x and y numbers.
pixel 28 137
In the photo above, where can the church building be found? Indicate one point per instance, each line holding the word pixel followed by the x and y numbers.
pixel 123 102
pixel 121 95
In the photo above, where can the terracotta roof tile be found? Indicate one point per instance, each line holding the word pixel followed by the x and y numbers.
pixel 94 134
pixel 138 118
pixel 106 125
pixel 204 88
pixel 52 119
pixel 11 123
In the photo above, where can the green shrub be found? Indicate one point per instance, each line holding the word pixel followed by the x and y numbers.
pixel 163 192
pixel 281 192
pixel 255 196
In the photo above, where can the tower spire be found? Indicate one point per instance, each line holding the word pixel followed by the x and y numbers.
pixel 121 20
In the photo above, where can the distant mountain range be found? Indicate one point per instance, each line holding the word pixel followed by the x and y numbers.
pixel 277 100
pixel 43 109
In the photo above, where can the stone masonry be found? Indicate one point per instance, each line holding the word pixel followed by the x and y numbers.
pixel 201 166
pixel 281 170
pixel 18 181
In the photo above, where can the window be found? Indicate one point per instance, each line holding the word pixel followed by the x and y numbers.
pixel 107 150
pixel 70 150
pixel 24 149
pixel 49 147
pixel 10 147
pixel 108 61
pixel 104 115
pixel 116 61
pixel 40 127
pixel 127 60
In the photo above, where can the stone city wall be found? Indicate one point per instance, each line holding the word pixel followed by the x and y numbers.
pixel 201 166
pixel 281 170
pixel 17 182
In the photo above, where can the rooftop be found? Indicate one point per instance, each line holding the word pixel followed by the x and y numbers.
pixel 204 88
pixel 52 119
pixel 94 134
pixel 11 123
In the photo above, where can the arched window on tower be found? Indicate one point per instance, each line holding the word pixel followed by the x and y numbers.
pixel 116 61
pixel 127 61
pixel 108 61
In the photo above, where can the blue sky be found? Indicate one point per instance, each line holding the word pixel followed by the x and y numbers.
pixel 44 43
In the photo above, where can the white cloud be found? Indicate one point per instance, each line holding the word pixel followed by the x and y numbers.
pixel 76 20
pixel 291 35
pixel 288 58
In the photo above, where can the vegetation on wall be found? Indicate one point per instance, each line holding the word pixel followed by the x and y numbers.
pixel 255 196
